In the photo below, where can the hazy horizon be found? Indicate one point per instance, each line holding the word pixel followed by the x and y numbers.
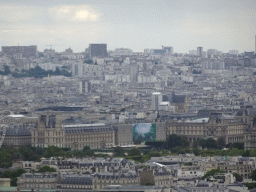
pixel 219 24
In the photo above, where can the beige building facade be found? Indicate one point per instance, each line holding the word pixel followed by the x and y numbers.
pixel 50 132
pixel 5 182
pixel 18 130
pixel 214 127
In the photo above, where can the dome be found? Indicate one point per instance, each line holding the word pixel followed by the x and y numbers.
pixel 247 111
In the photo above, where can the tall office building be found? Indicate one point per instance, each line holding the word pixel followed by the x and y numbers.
pixel 199 51
pixel 25 51
pixel 98 50
pixel 156 99
pixel 192 52
pixel 233 52
pixel 158 51
pixel 131 70
pixel 169 49
pixel 212 52
pixel 84 87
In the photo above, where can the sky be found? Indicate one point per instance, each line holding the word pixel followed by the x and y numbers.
pixel 135 24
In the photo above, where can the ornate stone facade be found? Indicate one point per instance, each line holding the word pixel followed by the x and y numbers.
pixel 18 130
pixel 179 102
pixel 215 127
pixel 36 181
pixel 50 132
pixel 96 136
pixel 97 181
pixel 157 177
pixel 250 135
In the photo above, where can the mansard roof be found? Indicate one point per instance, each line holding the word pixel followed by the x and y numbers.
pixel 247 111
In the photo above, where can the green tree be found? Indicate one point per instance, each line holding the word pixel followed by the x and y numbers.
pixel 210 143
pixel 86 148
pixel 253 175
pixel 202 143
pixel 212 172
pixel 157 144
pixel 57 71
pixel 137 142
pixel 46 168
pixel 235 152
pixel 144 158
pixel 195 144
pixel 134 152
pixel 246 153
pixel 28 154
pixel 38 150
pixel 238 177
pixel 221 141
pixel 196 72
pixel 7 174
pixel 228 145
pixel 237 145
pixel 54 151
pixel 154 154
pixel 88 152
pixel 196 152
pixel 119 151
pixel 184 142
pixel 7 70
pixel 64 72
pixel 88 61
pixel 5 159
pixel 176 150
pixel 174 141
pixel 165 152
pixel 14 181
pixel 250 185
pixel 13 175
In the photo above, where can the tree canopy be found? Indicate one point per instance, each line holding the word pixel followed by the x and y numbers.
pixel 221 141
pixel 212 172
pixel 209 143
pixel 177 141
pixel 238 177
pixel 119 151
pixel 54 151
pixel 134 152
pixel 38 72
pixel 6 71
pixel 237 145
pixel 253 175
pixel 46 168
pixel 13 175
pixel 88 152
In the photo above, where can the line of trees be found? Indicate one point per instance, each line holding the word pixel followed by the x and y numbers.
pixel 28 153
pixel 13 175
pixel 38 72
pixel 6 71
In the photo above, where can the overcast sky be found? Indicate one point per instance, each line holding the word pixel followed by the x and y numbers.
pixel 134 24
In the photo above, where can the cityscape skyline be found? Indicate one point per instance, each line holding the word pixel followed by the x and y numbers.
pixel 222 25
